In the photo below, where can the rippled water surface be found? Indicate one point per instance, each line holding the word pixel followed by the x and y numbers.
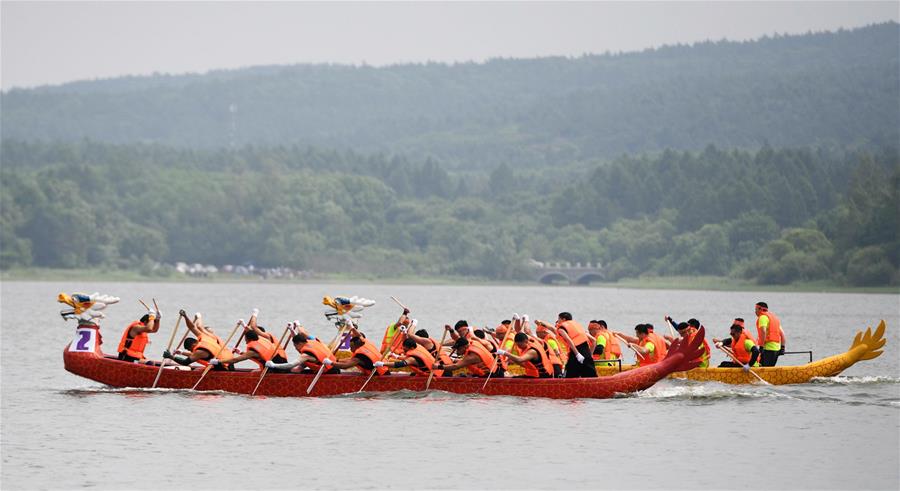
pixel 61 431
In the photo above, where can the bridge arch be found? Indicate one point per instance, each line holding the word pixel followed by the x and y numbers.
pixel 587 278
pixel 553 276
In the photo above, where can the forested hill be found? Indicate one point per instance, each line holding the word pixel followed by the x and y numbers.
pixel 813 89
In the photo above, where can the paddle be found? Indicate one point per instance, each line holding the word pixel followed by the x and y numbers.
pixel 440 347
pixel 671 329
pixel 731 354
pixel 387 350
pixel 497 357
pixel 266 369
pixel 168 348
pixel 322 368
pixel 223 348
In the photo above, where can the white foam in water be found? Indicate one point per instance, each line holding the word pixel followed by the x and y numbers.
pixel 843 380
pixel 706 391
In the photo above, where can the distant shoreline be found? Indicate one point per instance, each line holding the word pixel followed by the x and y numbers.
pixel 712 283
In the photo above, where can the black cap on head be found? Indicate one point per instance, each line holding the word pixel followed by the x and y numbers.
pixel 460 324
pixel 565 316
pixel 520 337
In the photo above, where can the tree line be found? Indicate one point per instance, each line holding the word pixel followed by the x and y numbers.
pixel 772 215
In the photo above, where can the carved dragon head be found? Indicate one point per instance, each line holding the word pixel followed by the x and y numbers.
pixel 85 308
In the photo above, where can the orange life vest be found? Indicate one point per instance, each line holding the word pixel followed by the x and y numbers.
pixel 481 368
pixel 425 359
pixel 613 349
pixel 134 347
pixel 371 353
pixel 740 352
pixel 541 368
pixel 280 351
pixel 317 350
pixel 774 332
pixel 439 354
pixel 649 359
pixel 495 345
pixel 660 342
pixel 264 348
pixel 575 331
pixel 213 345
pixel 551 355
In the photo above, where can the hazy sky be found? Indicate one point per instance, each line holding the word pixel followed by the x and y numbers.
pixel 51 43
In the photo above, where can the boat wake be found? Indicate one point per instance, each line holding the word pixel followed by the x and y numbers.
pixel 710 392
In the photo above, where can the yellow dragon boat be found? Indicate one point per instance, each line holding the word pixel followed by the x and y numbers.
pixel 866 346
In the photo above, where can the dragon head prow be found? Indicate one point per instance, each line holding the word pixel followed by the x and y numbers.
pixel 690 351
pixel 85 308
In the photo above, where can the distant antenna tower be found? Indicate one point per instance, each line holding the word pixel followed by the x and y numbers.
pixel 232 108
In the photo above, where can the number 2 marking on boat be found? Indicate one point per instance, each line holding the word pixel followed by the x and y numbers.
pixel 82 343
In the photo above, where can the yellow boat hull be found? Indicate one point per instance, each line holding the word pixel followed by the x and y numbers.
pixel 866 346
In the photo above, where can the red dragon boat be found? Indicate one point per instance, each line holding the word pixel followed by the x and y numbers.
pixel 85 359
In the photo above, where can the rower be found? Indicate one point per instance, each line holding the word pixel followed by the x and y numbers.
pixel 646 348
pixel 462 330
pixel 531 356
pixel 742 347
pixel 313 354
pixel 280 354
pixel 203 349
pixel 551 346
pixel 580 362
pixel 365 358
pixel 135 339
pixel 392 331
pixel 473 357
pixel 687 330
pixel 608 347
pixel 770 336
pixel 432 345
pixel 492 345
pixel 416 357
pixel 259 349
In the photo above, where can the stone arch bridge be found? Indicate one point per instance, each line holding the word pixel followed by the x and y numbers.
pixel 573 273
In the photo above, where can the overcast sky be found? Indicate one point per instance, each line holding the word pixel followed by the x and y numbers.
pixel 51 43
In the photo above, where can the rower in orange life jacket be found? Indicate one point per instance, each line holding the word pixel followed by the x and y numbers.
pixel 280 354
pixel 135 339
pixel 431 345
pixel 313 354
pixel 581 361
pixel 646 348
pixel 770 335
pixel 365 355
pixel 417 358
pixel 473 357
pixel 531 356
pixel 203 349
pixel 260 350
pixel 494 345
pixel 552 348
pixel 607 346
pixel 390 338
pixel 741 345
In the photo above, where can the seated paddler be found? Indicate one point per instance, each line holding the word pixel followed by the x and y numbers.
pixel 313 354
pixel 260 350
pixel 474 357
pixel 740 346
pixel 416 357
pixel 206 348
pixel 135 337
pixel 530 354
pixel 365 356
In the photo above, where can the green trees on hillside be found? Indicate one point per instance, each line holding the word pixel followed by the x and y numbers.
pixel 774 215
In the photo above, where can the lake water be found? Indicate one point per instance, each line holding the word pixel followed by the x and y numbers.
pixel 62 432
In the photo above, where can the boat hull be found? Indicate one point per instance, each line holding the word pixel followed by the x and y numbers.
pixel 95 366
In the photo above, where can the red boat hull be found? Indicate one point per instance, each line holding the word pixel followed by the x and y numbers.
pixel 115 373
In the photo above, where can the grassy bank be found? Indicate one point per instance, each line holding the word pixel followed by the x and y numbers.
pixel 715 283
